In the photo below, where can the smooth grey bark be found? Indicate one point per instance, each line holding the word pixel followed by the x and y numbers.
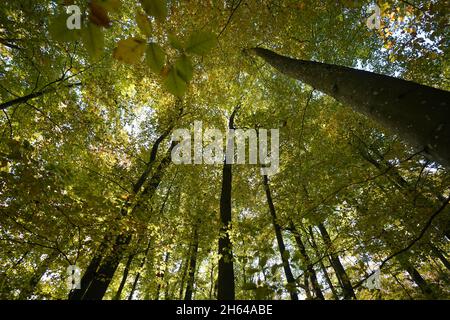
pixel 419 114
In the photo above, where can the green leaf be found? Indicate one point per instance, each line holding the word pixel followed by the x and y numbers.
pixel 58 29
pixel 249 286
pixel 175 42
pixel 143 24
pixel 201 43
pixel 155 57
pixel 263 261
pixel 155 8
pixel 110 5
pixel 262 292
pixel 184 68
pixel 252 270
pixel 274 268
pixel 175 84
pixel 93 40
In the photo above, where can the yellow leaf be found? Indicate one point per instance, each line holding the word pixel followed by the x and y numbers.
pixel 130 50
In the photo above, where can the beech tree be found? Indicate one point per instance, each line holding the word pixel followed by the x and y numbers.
pixel 358 208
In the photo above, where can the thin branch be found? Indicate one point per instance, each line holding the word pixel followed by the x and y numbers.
pixel 229 18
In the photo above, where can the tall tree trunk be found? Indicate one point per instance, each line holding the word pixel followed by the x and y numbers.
pixel 102 278
pixel 192 266
pixel 307 288
pixel 310 272
pixel 322 265
pixel 126 271
pixel 417 278
pixel 107 269
pixel 226 288
pixel 91 270
pixel 281 247
pixel 418 114
pixel 109 263
pixel 162 275
pixel 438 253
pixel 184 270
pixel 337 265
pixel 138 275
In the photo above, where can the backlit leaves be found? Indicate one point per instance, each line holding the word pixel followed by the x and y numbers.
pixel 58 29
pixel 155 57
pixel 110 5
pixel 201 43
pixel 130 50
pixel 98 15
pixel 179 76
pixel 155 8
pixel 93 40
pixel 174 83
pixel 143 24
pixel 184 68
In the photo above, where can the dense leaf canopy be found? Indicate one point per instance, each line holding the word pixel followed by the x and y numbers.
pixel 85 141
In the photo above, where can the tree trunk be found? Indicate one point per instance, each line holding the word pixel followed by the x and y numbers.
pixel 184 268
pixel 107 269
pixel 226 290
pixel 126 271
pixel 310 272
pixel 91 270
pixel 337 265
pixel 438 253
pixel 162 276
pixel 419 114
pixel 322 265
pixel 417 278
pixel 281 247
pixel 98 259
pixel 307 288
pixel 192 266
pixel 109 264
pixel 138 275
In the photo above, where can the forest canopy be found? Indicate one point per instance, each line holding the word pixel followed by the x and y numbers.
pixel 336 187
